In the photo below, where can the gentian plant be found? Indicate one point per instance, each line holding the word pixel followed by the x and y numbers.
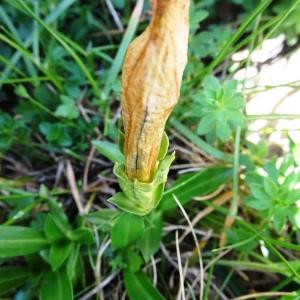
pixel 151 80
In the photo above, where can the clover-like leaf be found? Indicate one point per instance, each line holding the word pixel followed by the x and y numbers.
pixel 67 109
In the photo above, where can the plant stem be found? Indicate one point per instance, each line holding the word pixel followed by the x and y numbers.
pixel 272 117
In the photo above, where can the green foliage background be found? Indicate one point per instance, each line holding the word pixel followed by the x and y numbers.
pixel 60 91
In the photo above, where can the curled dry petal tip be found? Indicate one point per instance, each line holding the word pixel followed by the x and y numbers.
pixel 151 80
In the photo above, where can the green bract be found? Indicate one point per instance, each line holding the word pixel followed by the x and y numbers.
pixel 137 197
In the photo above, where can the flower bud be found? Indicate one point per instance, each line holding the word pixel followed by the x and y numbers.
pixel 151 80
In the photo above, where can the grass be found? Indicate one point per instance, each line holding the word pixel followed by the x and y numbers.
pixel 60 93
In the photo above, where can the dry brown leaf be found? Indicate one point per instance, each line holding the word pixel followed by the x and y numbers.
pixel 151 80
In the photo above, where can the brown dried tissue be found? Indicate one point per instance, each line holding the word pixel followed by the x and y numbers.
pixel 151 80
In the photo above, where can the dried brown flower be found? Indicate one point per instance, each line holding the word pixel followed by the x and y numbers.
pixel 151 81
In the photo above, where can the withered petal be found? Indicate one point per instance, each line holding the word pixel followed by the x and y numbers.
pixel 151 80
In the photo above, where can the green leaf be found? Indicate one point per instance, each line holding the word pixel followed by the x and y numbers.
pixel 82 236
pixel 236 119
pixel 19 241
pixel 197 16
pixel 258 204
pixel 293 196
pixel 12 277
pixel 52 231
pixel 56 285
pixel 109 150
pixel 290 180
pixel 76 267
pixel 270 187
pixel 196 184
pixel 230 87
pixel 121 141
pixel 270 168
pixel 21 91
pixel 280 218
pixel 294 216
pixel 206 124
pixel 67 110
pixel 235 102
pixel 211 83
pixel 25 8
pixel 59 252
pixel 150 242
pixel 56 133
pixel 121 201
pixel 134 260
pixel 103 217
pixel 221 108
pixel 296 154
pixel 119 3
pixel 58 215
pixel 128 229
pixel 258 191
pixel 242 236
pixel 140 287
pixel 223 131
pixel 163 147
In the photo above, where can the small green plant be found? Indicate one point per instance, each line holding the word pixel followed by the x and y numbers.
pixel 209 42
pixel 10 132
pixel 67 109
pixel 51 246
pixel 220 107
pixel 275 193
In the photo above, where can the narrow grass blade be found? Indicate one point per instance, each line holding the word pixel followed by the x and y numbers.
pixel 49 19
pixel 70 50
pixel 28 55
pixel 9 64
pixel 224 52
pixel 62 7
pixel 7 21
pixel 128 36
pixel 23 80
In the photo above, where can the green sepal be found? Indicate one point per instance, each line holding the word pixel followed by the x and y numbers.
pixel 164 145
pixel 141 198
pixel 121 141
